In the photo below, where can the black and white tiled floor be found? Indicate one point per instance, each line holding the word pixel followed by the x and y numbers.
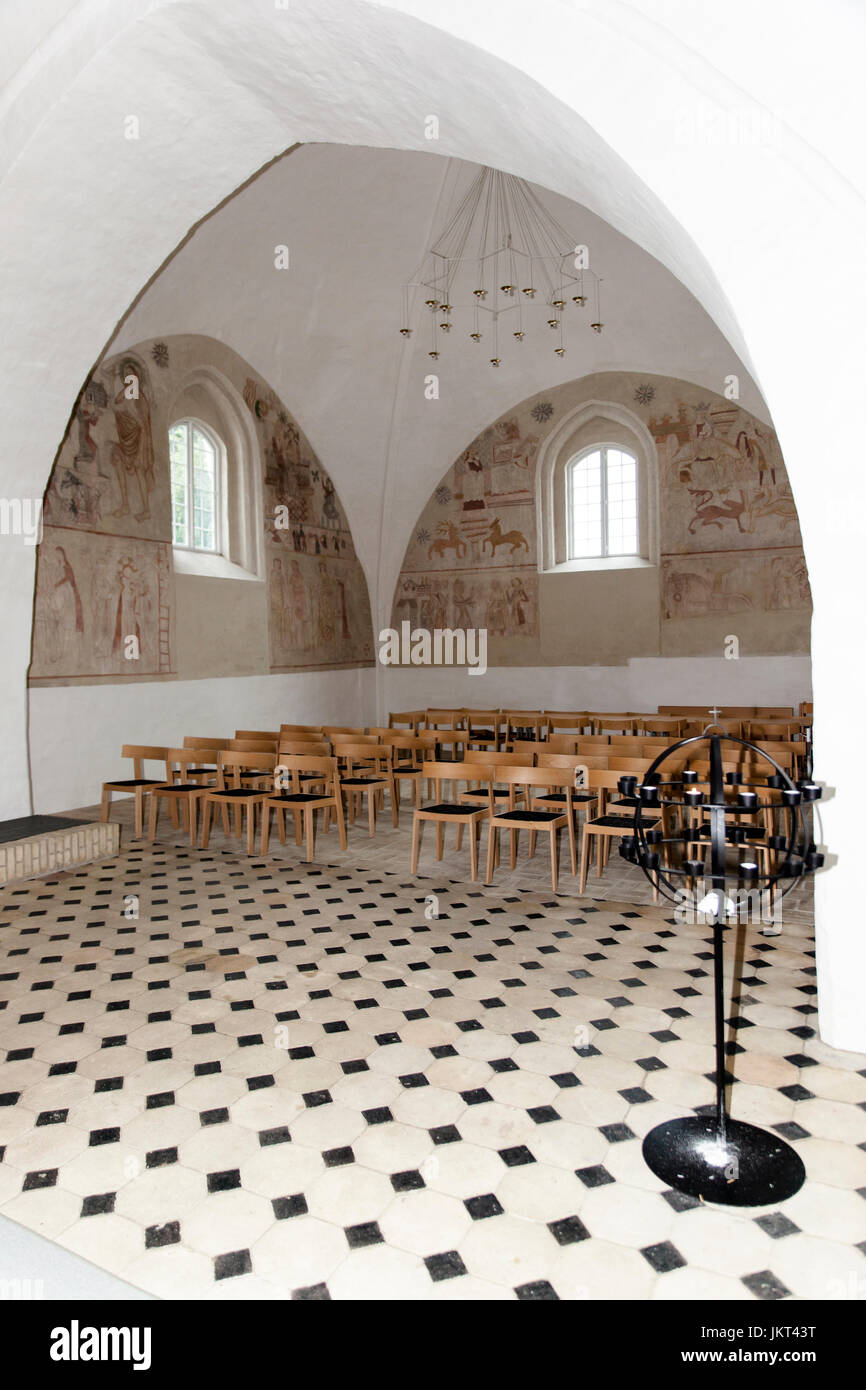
pixel 226 1077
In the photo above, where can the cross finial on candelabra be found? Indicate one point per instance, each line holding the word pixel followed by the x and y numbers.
pixel 715 712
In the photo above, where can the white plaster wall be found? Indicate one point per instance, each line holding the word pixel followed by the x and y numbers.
pixel 642 685
pixel 77 731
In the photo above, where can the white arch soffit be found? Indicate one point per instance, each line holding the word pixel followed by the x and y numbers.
pixel 87 220
pixel 545 469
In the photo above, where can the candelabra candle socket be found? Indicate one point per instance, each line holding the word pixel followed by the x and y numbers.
pixel 791 796
pixel 628 848
pixel 811 791
pixel 776 782
pixel 691 834
pixel 732 779
pixel 777 842
pixel 649 795
pixel 748 870
pixel 689 775
pixel 648 861
pixel 653 837
pixel 693 796
pixel 748 800
pixel 813 860
pixel 627 786
pixel 736 835
pixel 694 868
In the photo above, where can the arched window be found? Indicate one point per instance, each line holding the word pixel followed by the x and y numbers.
pixel 196 455
pixel 602 503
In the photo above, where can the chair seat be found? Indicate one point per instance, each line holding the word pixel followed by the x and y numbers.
pixel 536 817
pixel 446 808
pixel 199 769
pixel 362 781
pixel 627 801
pixel 296 797
pixel 575 796
pixel 624 822
pixel 482 796
pixel 233 791
pixel 185 787
pixel 479 735
pixel 135 782
pixel 403 770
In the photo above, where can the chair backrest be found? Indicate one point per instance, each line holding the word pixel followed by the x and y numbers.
pixel 287 773
pixel 439 772
pixel 444 719
pixel 234 761
pixel 200 756
pixel 517 719
pixel 141 753
pixel 627 743
pixel 330 729
pixel 373 757
pixel 653 748
pixel 302 735
pixel 573 720
pixel 600 779
pixel 656 724
pixel 491 758
pixel 637 765
pixel 252 745
pixel 201 741
pixel 416 746
pixel 588 742
pixel 342 739
pixel 527 747
pixel 266 734
pixel 182 758
pixel 613 723
pixel 547 777
pixel 769 729
pixel 412 717
pixel 294 747
pixel 313 729
pixel 806 707
pixel 572 760
pixel 561 743
pixel 487 720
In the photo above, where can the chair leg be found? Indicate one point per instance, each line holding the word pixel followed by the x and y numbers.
pixel 139 812
pixel 205 822
pixel 395 804
pixel 416 843
pixel 225 819
pixel 532 838
pixel 371 812
pixel 281 824
pixel 264 840
pixel 153 817
pixel 584 858
pixel 492 835
pixel 416 781
pixel 251 827
pixel 310 832
pixel 473 851
pixel 513 838
pixel 175 818
pixel 193 816
pixel 340 819
pixel 105 809
pixel 459 834
pixel 440 839
pixel 554 857
pixel 571 846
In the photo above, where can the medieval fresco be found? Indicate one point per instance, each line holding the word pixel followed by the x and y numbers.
pixel 101 610
pixel 472 560
pixel 105 477
pixel 319 609
pixel 729 535
pixel 105 576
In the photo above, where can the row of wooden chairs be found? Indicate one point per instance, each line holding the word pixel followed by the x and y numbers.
pixel 475 728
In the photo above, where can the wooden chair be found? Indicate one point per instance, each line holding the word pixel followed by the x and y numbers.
pixel 592 743
pixel 483 729
pixel 270 735
pixel 561 743
pixel 252 745
pixel 230 792
pixel 368 772
pixel 625 744
pixel 805 707
pixel 137 784
pixel 582 799
pixel 208 750
pixel 568 721
pixel 514 820
pixel 301 730
pixel 489 758
pixel 613 724
pixel 304 771
pixel 408 757
pixel 454 812
pixel 344 730
pixel 186 792
pixel 655 725
pixel 450 726
pixel 755 729
pixel 609 825
pixel 414 718
pixel 524 723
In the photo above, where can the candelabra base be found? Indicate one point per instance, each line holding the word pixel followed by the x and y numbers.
pixel 747 1167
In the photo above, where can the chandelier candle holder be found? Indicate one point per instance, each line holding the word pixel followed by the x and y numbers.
pixel 710 1155
pixel 501 256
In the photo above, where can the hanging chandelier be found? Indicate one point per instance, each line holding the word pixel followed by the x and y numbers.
pixel 501 267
